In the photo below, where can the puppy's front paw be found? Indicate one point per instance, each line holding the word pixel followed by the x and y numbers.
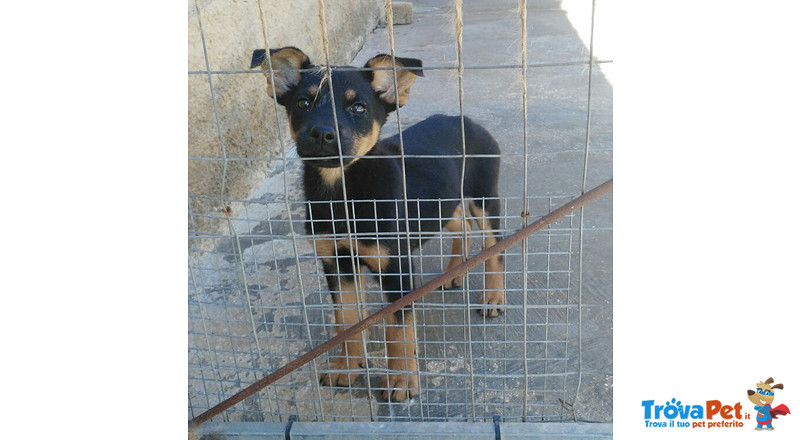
pixel 455 283
pixel 341 378
pixel 400 387
pixel 492 299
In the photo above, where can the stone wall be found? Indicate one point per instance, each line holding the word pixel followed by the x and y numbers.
pixel 232 30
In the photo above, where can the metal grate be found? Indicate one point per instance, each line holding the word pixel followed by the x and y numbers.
pixel 252 309
pixel 258 298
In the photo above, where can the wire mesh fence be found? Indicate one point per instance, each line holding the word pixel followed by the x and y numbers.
pixel 252 309
pixel 258 298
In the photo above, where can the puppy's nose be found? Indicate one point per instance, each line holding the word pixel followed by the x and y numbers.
pixel 324 134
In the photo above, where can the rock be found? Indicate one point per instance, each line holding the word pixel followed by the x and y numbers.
pixel 402 12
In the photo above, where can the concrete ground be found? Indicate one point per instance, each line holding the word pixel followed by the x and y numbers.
pixel 252 308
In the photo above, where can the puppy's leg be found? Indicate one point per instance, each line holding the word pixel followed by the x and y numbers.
pixel 494 292
pixel 401 348
pixel 401 342
pixel 347 303
pixel 456 225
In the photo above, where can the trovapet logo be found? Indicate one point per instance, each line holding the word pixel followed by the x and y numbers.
pixel 711 414
pixel 716 414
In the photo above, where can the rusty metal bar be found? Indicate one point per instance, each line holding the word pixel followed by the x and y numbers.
pixel 406 300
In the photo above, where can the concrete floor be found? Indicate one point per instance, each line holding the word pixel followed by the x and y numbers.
pixel 461 380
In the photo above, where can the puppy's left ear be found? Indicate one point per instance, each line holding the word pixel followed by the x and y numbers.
pixel 778 386
pixel 382 81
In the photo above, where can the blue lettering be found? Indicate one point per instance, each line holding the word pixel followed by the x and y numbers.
pixel 647 404
pixel 653 411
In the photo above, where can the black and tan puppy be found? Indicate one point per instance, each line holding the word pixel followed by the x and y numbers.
pixel 373 178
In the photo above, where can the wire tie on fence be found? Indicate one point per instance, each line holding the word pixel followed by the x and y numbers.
pixel 496 419
pixel 569 407
pixel 226 211
pixel 525 214
pixel 292 419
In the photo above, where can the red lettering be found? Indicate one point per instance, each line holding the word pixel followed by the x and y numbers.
pixel 712 407
pixel 726 412
pixel 738 408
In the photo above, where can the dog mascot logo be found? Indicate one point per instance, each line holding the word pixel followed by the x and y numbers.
pixel 763 397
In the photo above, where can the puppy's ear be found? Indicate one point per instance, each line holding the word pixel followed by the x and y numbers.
pixel 285 58
pixel 382 81
pixel 778 386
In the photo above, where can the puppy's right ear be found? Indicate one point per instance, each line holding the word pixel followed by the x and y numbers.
pixel 283 59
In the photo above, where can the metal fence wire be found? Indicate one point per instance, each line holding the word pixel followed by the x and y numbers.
pixel 258 296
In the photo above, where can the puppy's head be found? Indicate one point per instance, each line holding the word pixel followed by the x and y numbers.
pixel 362 100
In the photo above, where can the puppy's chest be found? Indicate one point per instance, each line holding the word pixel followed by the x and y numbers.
pixel 366 217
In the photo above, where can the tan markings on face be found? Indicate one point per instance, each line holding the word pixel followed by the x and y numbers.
pixel 365 143
pixel 312 91
pixel 350 94
pixel 362 144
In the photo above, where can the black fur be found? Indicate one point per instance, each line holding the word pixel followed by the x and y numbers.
pixel 377 175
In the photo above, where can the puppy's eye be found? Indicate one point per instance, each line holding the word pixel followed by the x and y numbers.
pixel 358 108
pixel 303 104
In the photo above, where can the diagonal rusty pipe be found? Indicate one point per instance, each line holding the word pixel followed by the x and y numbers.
pixel 406 300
